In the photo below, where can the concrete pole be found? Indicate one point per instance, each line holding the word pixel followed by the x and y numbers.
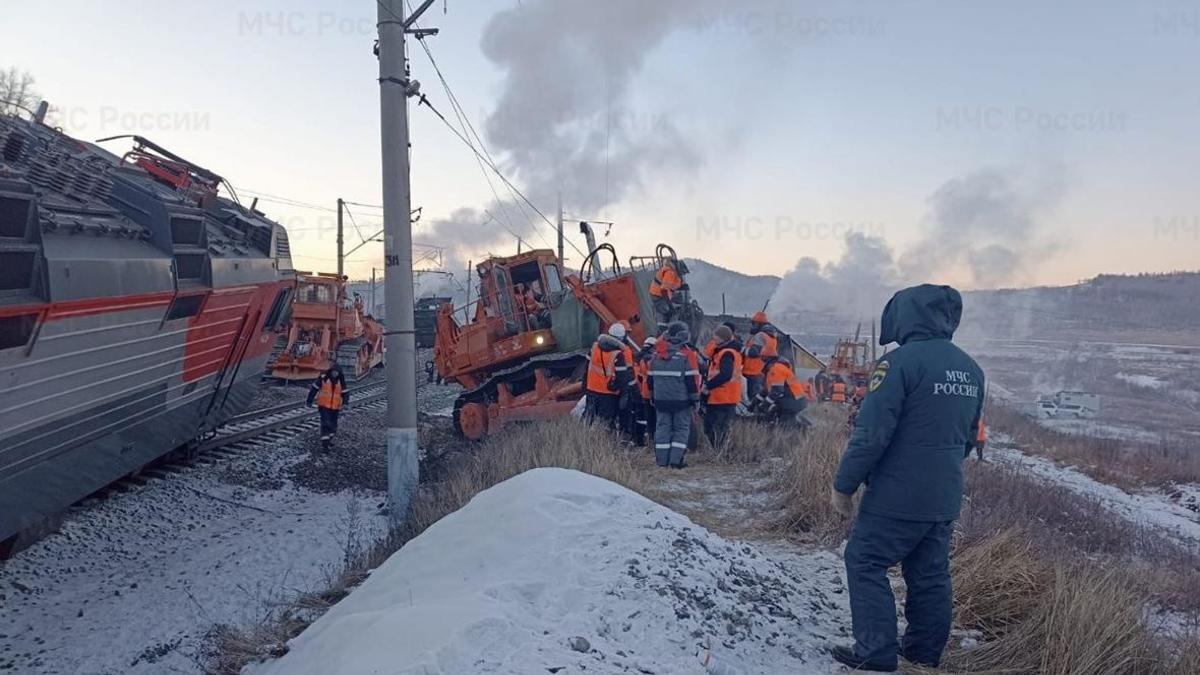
pixel 402 448
pixel 341 241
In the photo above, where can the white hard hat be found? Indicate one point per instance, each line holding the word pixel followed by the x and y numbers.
pixel 650 341
pixel 617 330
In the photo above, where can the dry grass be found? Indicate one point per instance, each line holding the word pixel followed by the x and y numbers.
pixel 1124 463
pixel 460 476
pixel 996 582
pixel 1057 620
pixel 804 485
pixel 752 443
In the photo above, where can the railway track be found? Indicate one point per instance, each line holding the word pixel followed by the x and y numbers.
pixel 253 430
pixel 249 431
pixel 281 422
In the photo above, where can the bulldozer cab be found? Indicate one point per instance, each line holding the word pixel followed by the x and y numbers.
pixel 520 290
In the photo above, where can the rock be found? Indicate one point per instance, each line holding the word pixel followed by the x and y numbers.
pixel 579 644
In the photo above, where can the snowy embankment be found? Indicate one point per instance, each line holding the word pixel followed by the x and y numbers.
pixel 133 584
pixel 1177 517
pixel 561 572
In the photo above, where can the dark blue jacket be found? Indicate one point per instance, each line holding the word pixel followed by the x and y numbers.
pixel 921 412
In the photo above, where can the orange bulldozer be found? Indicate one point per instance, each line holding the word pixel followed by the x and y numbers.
pixel 326 325
pixel 522 347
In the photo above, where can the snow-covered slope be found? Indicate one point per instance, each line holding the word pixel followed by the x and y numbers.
pixel 558 571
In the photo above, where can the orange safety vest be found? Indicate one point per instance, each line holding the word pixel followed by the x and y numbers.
pixel 666 282
pixel 770 349
pixel 731 391
pixel 839 392
pixel 330 396
pixel 641 369
pixel 781 374
pixel 601 370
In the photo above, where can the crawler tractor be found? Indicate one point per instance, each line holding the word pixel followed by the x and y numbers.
pixel 522 346
pixel 854 359
pixel 327 325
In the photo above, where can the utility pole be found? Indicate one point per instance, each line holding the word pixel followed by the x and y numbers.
pixel 394 89
pixel 341 241
pixel 562 265
pixel 373 290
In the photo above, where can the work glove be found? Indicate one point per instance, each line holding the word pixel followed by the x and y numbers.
pixel 843 504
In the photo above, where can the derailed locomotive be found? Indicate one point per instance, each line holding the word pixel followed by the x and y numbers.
pixel 136 313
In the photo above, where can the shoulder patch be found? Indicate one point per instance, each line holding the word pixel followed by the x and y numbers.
pixel 877 375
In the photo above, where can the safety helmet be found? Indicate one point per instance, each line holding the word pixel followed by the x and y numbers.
pixel 650 341
pixel 759 317
pixel 617 330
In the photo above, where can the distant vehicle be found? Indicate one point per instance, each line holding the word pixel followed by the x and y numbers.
pixel 1068 405
pixel 425 318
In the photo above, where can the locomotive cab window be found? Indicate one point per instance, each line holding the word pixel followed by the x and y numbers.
pixel 15 331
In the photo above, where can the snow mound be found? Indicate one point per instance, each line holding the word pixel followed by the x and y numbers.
pixel 509 583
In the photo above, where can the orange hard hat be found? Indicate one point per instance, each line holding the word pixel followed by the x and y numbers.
pixel 759 317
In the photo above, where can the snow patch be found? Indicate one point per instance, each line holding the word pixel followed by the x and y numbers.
pixel 1141 381
pixel 1149 508
pixel 510 582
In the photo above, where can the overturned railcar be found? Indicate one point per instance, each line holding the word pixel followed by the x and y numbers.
pixel 136 313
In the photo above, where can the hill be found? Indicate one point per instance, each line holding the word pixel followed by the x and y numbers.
pixel 744 294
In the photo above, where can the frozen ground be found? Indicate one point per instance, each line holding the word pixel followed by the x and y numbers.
pixel 557 571
pixel 1176 513
pixel 133 584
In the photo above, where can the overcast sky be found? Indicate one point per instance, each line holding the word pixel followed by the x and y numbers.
pixel 748 134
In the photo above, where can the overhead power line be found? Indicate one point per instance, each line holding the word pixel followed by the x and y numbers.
pixel 484 158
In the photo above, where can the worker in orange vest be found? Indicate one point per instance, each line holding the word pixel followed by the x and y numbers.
pixel 328 391
pixel 762 346
pixel 710 348
pixel 783 395
pixel 839 390
pixel 629 402
pixel 723 386
pixel 663 289
pixel 608 376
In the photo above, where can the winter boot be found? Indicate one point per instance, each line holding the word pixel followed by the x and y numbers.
pixel 847 657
